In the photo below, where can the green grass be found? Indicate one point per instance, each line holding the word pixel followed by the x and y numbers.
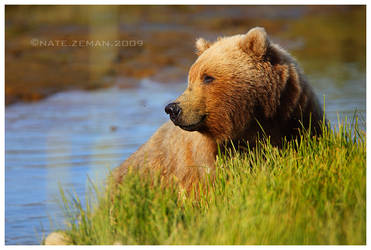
pixel 308 193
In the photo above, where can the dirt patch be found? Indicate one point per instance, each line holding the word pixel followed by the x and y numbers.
pixel 164 39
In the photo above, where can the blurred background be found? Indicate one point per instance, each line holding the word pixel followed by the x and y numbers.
pixel 85 86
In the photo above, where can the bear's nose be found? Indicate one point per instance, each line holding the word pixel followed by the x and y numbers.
pixel 173 110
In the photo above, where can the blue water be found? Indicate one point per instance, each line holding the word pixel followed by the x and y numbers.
pixel 64 139
pixel 72 135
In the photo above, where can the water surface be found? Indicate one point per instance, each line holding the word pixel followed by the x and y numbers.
pixel 72 135
pixel 64 139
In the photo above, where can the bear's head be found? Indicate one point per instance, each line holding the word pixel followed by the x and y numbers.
pixel 235 81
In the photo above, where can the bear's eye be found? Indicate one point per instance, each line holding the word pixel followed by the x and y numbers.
pixel 207 78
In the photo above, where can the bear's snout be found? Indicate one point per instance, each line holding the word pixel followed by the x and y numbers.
pixel 174 111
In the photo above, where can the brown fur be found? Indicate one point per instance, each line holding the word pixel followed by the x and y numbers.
pixel 257 85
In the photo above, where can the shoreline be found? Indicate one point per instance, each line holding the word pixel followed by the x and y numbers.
pixel 34 71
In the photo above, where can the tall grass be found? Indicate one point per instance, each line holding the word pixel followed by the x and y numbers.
pixel 312 192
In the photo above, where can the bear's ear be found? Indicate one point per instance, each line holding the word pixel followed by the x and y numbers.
pixel 202 45
pixel 255 42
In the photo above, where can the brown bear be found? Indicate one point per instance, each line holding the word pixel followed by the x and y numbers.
pixel 239 86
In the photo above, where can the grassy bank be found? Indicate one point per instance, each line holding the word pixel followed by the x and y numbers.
pixel 308 193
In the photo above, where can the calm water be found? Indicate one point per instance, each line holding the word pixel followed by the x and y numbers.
pixel 72 135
